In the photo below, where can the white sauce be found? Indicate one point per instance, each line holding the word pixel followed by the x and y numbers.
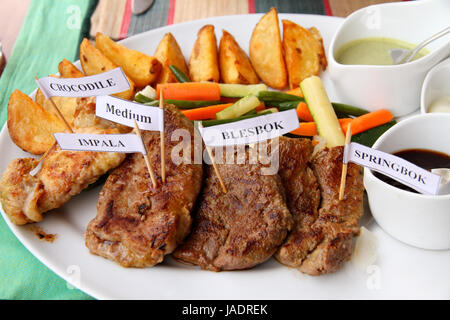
pixel 440 105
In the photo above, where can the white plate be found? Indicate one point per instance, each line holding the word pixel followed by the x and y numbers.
pixel 400 271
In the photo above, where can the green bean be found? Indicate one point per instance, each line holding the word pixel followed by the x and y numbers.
pixel 283 106
pixel 342 110
pixel 142 99
pixel 278 96
pixel 209 123
pixel 348 110
pixel 181 77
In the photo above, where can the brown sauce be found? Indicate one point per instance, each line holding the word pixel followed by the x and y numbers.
pixel 41 234
pixel 426 159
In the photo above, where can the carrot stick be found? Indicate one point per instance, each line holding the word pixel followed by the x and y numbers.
pixel 309 129
pixel 205 112
pixel 306 129
pixel 189 91
pixel 303 112
pixel 344 124
pixel 261 107
pixel 369 121
pixel 296 92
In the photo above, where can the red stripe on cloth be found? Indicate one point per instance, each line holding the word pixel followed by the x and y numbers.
pixel 327 6
pixel 171 12
pixel 251 6
pixel 125 20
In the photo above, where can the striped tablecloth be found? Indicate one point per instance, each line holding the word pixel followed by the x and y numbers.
pixel 52 31
pixel 123 23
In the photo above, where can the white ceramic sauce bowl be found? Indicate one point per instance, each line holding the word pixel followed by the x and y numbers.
pixel 435 85
pixel 396 88
pixel 416 219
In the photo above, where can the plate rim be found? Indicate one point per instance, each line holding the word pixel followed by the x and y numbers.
pixel 52 266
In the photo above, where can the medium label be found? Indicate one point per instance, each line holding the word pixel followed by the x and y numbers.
pixel 126 143
pixel 251 130
pixel 125 112
pixel 395 167
pixel 105 83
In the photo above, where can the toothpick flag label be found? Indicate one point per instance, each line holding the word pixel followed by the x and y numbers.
pixel 125 112
pixel 395 167
pixel 250 130
pixel 105 83
pixel 125 143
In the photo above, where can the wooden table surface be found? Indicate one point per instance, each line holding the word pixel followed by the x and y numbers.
pixel 13 13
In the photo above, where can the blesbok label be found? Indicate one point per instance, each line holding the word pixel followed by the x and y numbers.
pixel 250 130
pixel 105 83
pixel 125 112
pixel 126 143
pixel 395 167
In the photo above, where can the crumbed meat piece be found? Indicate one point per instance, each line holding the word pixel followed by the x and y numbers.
pixel 62 175
pixel 338 221
pixel 136 224
pixel 303 198
pixel 241 228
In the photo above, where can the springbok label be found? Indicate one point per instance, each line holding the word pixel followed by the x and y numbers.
pixel 395 167
pixel 125 112
pixel 250 130
pixel 105 83
pixel 126 143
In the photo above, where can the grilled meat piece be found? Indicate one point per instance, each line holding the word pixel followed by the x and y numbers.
pixel 136 224
pixel 241 228
pixel 321 239
pixel 338 221
pixel 303 198
pixel 63 174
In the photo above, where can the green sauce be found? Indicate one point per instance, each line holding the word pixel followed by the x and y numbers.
pixel 373 51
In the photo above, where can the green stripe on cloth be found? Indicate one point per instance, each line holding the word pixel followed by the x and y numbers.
pixel 52 31
pixel 298 6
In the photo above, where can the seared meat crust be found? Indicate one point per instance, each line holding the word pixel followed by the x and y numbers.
pixel 322 236
pixel 303 198
pixel 241 228
pixel 63 174
pixel 136 224
pixel 338 221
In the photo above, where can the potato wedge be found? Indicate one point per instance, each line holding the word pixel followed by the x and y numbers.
pixel 66 105
pixel 169 53
pixel 68 70
pixel 203 63
pixel 94 62
pixel 39 96
pixel 321 53
pixel 266 53
pixel 30 127
pixel 141 68
pixel 235 66
pixel 304 52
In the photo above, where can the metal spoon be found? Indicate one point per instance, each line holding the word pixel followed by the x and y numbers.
pixel 400 56
pixel 444 186
pixel 140 6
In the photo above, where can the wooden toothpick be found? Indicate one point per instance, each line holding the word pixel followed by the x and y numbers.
pixel 211 156
pixel 348 135
pixel 68 127
pixel 163 157
pixel 147 161
pixel 58 111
